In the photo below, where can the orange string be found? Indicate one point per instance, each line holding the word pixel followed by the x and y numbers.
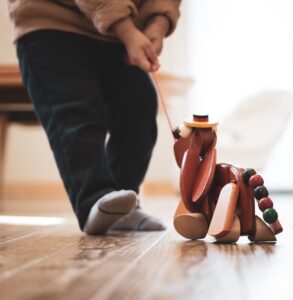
pixel 163 102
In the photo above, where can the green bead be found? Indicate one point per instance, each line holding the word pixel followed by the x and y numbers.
pixel 270 215
pixel 247 173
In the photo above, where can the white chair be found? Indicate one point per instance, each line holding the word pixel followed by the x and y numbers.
pixel 247 136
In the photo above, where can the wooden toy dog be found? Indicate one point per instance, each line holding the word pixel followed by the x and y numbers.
pixel 218 199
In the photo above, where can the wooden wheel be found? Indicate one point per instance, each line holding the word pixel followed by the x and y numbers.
pixel 192 226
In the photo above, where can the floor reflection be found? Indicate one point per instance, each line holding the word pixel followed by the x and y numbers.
pixel 196 251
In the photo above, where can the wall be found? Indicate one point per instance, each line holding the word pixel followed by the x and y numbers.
pixel 239 48
pixel 7 54
pixel 26 146
pixel 233 49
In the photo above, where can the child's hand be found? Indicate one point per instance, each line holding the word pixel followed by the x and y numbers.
pixel 140 52
pixel 156 30
pixel 139 48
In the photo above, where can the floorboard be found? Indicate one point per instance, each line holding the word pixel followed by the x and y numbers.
pixel 9 233
pixel 60 262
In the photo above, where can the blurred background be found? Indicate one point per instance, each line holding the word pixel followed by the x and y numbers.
pixel 230 59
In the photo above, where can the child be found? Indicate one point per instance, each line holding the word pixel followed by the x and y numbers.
pixel 74 69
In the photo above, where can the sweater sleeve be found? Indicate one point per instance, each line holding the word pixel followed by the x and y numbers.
pixel 105 13
pixel 167 8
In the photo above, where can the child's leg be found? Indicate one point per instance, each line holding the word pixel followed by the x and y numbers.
pixel 61 77
pixel 132 102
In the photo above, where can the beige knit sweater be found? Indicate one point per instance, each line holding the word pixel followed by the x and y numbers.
pixel 93 18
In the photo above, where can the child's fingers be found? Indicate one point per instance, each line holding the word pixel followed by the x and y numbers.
pixel 141 61
pixel 151 54
pixel 155 67
pixel 144 64
pixel 158 46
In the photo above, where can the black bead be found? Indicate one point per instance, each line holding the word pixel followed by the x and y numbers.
pixel 247 173
pixel 176 133
pixel 261 192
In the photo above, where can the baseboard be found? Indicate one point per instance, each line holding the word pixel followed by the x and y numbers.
pixel 55 190
pixel 159 188
pixel 34 190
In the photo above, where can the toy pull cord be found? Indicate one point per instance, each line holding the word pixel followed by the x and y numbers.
pixel 161 98
pixel 163 102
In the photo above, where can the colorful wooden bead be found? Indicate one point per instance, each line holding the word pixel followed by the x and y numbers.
pixel 256 180
pixel 247 173
pixel 270 215
pixel 261 192
pixel 185 131
pixel 176 133
pixel 265 203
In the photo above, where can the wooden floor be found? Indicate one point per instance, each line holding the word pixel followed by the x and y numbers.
pixel 57 261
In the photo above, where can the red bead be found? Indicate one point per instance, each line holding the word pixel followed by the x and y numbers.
pixel 265 203
pixel 256 180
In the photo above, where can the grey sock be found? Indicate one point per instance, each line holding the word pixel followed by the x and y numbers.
pixel 139 220
pixel 108 210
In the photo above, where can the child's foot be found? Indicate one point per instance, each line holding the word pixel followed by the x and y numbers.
pixel 108 210
pixel 139 220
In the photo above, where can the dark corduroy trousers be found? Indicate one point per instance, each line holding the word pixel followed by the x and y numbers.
pixel 82 89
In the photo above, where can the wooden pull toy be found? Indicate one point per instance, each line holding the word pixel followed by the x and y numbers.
pixel 217 199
